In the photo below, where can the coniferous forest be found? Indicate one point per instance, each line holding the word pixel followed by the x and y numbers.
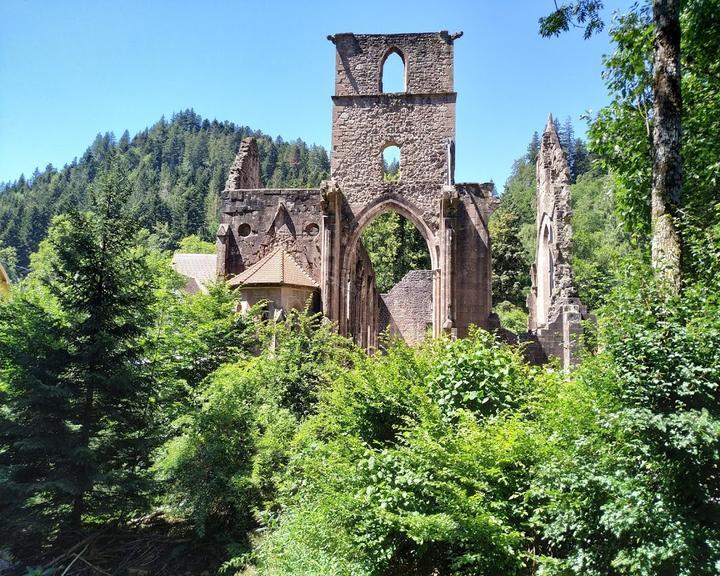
pixel 175 170
pixel 145 431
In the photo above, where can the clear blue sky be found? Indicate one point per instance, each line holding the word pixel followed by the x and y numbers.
pixel 71 69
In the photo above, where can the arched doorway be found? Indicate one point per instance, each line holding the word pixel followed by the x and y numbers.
pixel 391 279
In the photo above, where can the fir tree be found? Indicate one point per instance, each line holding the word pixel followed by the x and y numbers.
pixel 74 434
pixel 533 148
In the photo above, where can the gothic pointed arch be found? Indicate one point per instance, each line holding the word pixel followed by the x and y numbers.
pixel 398 75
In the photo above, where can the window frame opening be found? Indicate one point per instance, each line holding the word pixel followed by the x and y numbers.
pixel 391 166
pixel 392 73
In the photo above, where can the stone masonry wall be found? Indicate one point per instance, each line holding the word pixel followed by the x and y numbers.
pixel 245 170
pixel 428 61
pixel 254 222
pixel 554 208
pixel 420 121
pixel 420 126
pixel 409 306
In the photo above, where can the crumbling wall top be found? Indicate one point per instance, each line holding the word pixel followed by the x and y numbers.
pixel 428 59
pixel 553 192
pixel 245 170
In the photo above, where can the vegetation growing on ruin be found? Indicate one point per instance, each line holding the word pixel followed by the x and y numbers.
pixel 146 429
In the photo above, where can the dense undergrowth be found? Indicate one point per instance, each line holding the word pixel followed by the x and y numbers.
pixel 284 449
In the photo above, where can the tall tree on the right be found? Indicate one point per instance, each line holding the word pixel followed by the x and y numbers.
pixel 666 192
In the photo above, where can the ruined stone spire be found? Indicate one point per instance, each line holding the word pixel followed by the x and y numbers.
pixel 245 170
pixel 552 164
pixel 554 308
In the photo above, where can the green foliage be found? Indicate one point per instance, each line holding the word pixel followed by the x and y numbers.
pixel 223 464
pixel 391 171
pixel 577 14
pixel 209 465
pixel 600 243
pixel 75 430
pixel 510 265
pixel 176 171
pixel 518 198
pixel 8 260
pixel 193 335
pixel 410 466
pixel 193 244
pixel 514 318
pixel 621 134
pixel 633 489
pixel 395 247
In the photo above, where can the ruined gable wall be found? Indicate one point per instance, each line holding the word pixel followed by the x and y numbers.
pixel 555 311
pixel 553 200
pixel 254 222
pixel 428 61
pixel 245 169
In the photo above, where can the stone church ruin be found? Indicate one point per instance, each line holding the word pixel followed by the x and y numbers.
pixel 555 311
pixel 292 246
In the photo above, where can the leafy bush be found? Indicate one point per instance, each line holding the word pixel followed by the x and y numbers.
pixel 512 317
pixel 222 466
pixel 634 487
pixel 414 463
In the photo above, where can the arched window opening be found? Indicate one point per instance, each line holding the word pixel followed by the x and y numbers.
pixel 544 275
pixel 392 79
pixel 395 247
pixel 391 164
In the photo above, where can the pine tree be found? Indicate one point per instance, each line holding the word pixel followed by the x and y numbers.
pixel 567 141
pixel 533 148
pixel 582 160
pixel 75 436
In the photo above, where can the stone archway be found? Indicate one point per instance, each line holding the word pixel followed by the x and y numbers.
pixel 358 303
pixel 544 263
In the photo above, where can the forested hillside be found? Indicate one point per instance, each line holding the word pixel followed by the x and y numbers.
pixel 176 169
pixel 146 431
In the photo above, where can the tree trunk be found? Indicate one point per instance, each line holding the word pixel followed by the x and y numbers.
pixel 667 161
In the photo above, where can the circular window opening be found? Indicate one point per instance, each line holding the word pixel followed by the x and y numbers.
pixel 244 230
pixel 312 229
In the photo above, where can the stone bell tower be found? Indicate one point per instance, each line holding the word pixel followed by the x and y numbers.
pixel 420 121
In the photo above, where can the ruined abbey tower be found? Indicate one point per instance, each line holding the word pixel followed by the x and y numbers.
pixel 292 246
